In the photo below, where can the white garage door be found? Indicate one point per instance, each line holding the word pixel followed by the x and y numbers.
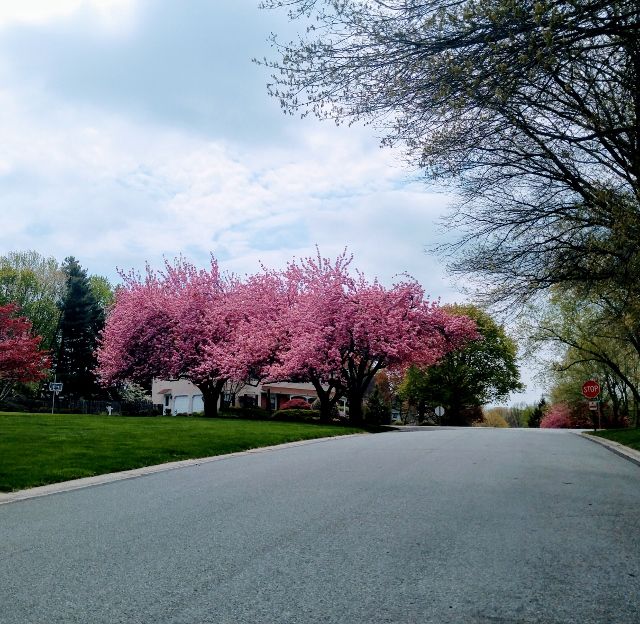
pixel 181 404
pixel 198 403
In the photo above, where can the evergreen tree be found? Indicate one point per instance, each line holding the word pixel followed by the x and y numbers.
pixel 81 320
pixel 538 413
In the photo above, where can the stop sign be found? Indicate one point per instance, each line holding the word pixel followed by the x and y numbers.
pixel 591 389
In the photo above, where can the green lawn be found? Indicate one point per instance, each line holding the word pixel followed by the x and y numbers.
pixel 628 437
pixel 36 449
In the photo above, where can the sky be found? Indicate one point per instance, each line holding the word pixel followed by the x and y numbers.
pixel 137 130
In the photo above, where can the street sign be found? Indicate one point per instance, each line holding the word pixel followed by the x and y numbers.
pixel 591 389
pixel 593 405
pixel 439 411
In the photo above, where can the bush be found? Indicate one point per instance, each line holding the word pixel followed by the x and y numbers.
pixel 246 413
pixel 140 408
pixel 295 404
pixel 297 415
pixel 493 419
pixel 376 410
pixel 335 412
pixel 558 417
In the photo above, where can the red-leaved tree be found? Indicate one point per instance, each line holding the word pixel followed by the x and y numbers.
pixel 21 359
pixel 338 331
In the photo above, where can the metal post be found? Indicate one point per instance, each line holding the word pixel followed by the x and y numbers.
pixel 599 414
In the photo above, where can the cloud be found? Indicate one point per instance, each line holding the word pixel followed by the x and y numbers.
pixel 39 11
pixel 183 64
pixel 114 193
pixel 158 138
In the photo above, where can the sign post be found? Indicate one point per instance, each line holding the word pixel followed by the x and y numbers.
pixel 591 390
pixel 439 413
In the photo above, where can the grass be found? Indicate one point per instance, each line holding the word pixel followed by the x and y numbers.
pixel 36 449
pixel 628 437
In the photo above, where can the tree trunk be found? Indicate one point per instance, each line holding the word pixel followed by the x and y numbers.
pixel 356 414
pixel 359 379
pixel 422 410
pixel 210 396
pixel 327 401
pixel 455 417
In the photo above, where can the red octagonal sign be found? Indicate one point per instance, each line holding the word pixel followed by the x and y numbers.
pixel 591 389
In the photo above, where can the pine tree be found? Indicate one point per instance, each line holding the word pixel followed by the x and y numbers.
pixel 82 318
pixel 538 413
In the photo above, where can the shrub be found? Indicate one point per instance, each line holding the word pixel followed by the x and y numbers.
pixel 297 415
pixel 295 404
pixel 493 418
pixel 246 413
pixel 335 413
pixel 558 417
pixel 376 410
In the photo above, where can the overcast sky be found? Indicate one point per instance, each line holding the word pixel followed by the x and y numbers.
pixel 134 130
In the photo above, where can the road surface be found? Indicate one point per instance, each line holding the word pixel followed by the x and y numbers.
pixel 487 526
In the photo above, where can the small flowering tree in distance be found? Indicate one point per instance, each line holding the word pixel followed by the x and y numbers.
pixel 558 417
pixel 338 331
pixel 20 357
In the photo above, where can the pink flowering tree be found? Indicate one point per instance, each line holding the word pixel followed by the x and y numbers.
pixel 337 331
pixel 557 417
pixel 247 327
pixel 163 324
pixel 312 322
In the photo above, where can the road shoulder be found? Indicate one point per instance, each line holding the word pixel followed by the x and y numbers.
pixel 77 484
pixel 615 447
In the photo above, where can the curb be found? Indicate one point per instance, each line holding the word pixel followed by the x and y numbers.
pixel 615 447
pixel 78 484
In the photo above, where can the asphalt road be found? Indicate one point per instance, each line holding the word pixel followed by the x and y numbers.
pixel 498 526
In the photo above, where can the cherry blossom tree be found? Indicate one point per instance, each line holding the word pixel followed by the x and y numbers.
pixel 162 325
pixel 558 417
pixel 21 359
pixel 312 322
pixel 247 328
pixel 186 323
pixel 338 331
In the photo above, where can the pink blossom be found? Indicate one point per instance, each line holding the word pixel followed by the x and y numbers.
pixel 558 417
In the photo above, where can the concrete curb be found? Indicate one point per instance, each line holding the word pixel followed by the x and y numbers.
pixel 615 447
pixel 77 484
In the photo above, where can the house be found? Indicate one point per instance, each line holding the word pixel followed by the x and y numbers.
pixel 180 396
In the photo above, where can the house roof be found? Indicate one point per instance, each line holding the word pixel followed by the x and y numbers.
pixel 277 389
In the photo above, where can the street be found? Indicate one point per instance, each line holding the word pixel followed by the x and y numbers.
pixel 466 525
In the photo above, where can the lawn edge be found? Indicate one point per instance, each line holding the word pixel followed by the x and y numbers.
pixel 621 450
pixel 134 473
